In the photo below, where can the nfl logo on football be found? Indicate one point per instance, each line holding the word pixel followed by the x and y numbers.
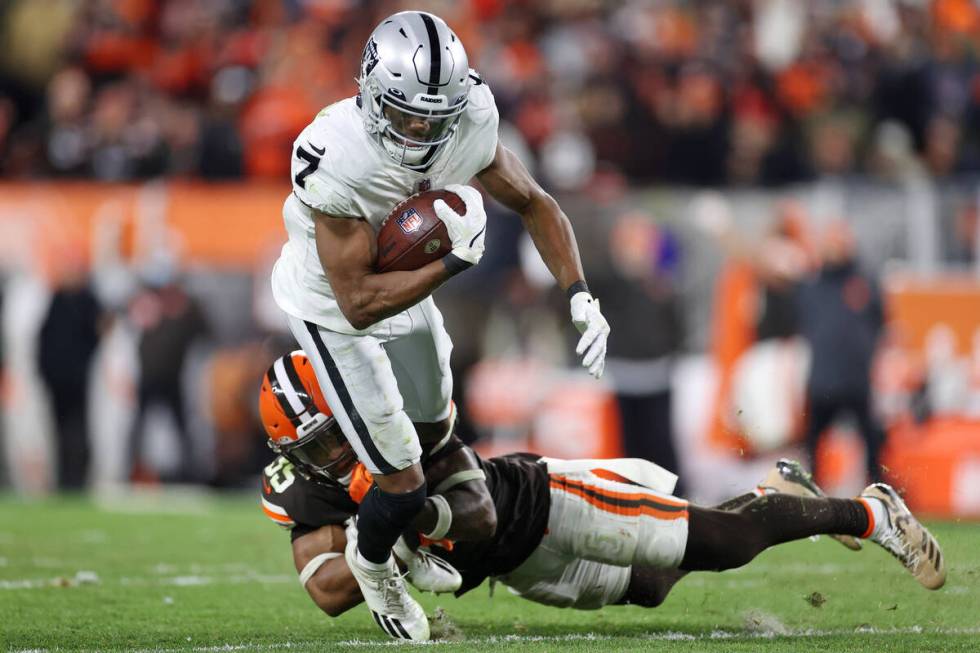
pixel 410 221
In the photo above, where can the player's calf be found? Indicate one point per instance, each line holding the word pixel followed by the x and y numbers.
pixel 385 513
pixel 719 540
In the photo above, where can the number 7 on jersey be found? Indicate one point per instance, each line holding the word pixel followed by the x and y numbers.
pixel 312 160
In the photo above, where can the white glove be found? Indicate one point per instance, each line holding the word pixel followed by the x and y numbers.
pixel 594 329
pixel 465 231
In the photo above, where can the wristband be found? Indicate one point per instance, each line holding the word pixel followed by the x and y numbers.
pixel 444 519
pixel 575 288
pixel 454 264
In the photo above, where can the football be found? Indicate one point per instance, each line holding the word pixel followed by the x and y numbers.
pixel 413 235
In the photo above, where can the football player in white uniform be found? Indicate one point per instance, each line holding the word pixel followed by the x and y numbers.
pixel 422 119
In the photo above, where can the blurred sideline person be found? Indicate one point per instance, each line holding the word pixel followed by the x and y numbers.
pixel 841 316
pixel 170 322
pixel 422 119
pixel 70 334
pixel 638 286
pixel 574 534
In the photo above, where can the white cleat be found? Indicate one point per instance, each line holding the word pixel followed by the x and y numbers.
pixel 387 597
pixel 906 539
pixel 428 572
pixel 789 477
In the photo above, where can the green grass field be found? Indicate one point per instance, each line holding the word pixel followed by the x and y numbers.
pixel 189 573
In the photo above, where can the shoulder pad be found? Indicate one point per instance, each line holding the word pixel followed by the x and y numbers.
pixel 330 158
pixel 481 107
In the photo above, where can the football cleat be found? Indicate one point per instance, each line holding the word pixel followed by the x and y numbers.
pixel 428 572
pixel 789 477
pixel 393 608
pixel 906 539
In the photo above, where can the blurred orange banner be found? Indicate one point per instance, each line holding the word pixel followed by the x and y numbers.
pixel 223 225
pixel 917 306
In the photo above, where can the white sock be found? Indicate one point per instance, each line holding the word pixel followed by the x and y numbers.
pixel 879 513
pixel 372 566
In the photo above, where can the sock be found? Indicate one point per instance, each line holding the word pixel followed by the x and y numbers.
pixel 373 566
pixel 381 518
pixel 720 540
pixel 737 502
pixel 877 516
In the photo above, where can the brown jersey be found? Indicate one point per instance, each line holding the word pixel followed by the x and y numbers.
pixel 518 485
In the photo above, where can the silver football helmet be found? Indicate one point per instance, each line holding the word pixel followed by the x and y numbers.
pixel 414 83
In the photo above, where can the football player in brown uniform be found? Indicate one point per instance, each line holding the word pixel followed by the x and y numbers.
pixel 585 538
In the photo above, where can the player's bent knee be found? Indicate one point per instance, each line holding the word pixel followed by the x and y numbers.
pixel 380 405
pixel 648 588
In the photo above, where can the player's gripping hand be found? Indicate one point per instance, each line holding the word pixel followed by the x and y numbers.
pixel 465 231
pixel 594 329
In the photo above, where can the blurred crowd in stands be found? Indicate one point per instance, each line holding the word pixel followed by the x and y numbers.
pixel 694 92
pixel 603 100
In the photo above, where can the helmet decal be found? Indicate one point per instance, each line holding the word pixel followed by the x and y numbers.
pixel 370 58
pixel 289 390
pixel 435 64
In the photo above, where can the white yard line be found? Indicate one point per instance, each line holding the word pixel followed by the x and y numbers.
pixel 184 580
pixel 667 636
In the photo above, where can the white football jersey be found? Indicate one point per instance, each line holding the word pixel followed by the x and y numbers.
pixel 339 169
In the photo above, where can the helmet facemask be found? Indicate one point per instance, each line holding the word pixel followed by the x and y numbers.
pixel 410 135
pixel 321 451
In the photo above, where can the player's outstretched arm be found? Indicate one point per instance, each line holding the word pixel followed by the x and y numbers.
pixel 474 516
pixel 509 182
pixel 332 587
pixel 347 249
